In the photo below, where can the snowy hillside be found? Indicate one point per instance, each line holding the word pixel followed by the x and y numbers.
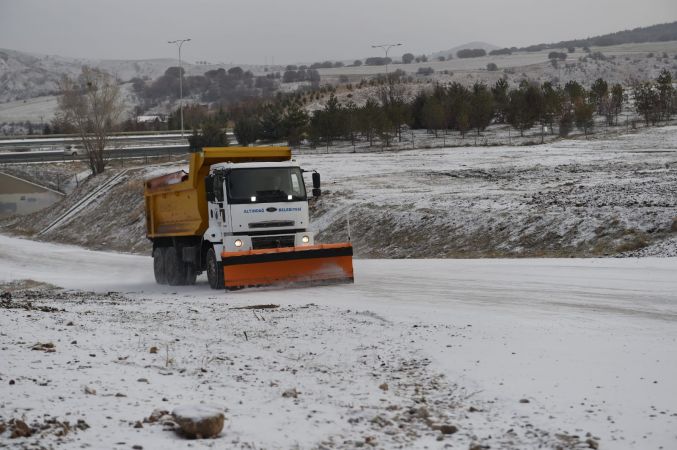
pixel 26 75
pixel 570 198
pixel 470 45
pixel 500 354
pixel 578 197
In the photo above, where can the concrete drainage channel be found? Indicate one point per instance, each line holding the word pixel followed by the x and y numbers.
pixel 82 204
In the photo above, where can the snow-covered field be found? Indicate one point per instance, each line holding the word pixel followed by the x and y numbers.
pixel 609 196
pixel 568 353
pixel 567 198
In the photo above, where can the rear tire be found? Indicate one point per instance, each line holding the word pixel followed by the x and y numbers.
pixel 214 270
pixel 159 266
pixel 189 274
pixel 173 267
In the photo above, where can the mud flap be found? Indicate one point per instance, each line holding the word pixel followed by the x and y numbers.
pixel 308 265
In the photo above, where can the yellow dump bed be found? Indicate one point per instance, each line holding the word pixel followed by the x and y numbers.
pixel 176 203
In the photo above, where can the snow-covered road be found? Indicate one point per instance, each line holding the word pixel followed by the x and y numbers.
pixel 590 343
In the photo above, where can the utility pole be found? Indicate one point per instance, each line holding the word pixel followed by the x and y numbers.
pixel 386 48
pixel 179 43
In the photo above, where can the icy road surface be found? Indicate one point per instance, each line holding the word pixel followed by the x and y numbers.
pixel 513 353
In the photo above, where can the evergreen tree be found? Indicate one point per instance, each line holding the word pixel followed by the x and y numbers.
pixel 456 99
pixel 295 123
pixel 566 122
pixel 500 93
pixel 351 114
pixel 247 130
pixel 369 119
pixel 394 105
pixel 525 107
pixel 433 115
pixel 574 90
pixel 416 110
pixel 333 120
pixel 463 122
pixel 212 134
pixel 552 104
pixel 665 93
pixel 271 123
pixel 599 92
pixel 583 115
pixel 647 101
pixel 617 95
pixel 481 107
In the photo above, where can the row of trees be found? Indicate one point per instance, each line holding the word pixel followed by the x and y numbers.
pixel 656 101
pixel 471 53
pixel 457 108
pixel 291 76
pixel 500 51
pixel 218 85
pixel 90 105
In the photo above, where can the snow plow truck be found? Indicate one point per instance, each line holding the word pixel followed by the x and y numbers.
pixel 241 215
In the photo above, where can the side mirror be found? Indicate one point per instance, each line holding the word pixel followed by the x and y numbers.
pixel 316 185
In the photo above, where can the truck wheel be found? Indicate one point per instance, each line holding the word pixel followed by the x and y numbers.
pixel 173 267
pixel 214 270
pixel 159 266
pixel 189 274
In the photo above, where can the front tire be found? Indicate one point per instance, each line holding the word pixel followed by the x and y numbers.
pixel 214 270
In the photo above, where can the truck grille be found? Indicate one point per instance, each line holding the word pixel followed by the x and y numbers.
pixel 261 242
pixel 272 224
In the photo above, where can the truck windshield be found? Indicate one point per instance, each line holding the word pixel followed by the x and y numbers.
pixel 269 184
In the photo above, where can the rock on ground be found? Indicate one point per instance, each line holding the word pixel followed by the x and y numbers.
pixel 199 421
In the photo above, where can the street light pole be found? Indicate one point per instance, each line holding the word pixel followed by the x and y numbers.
pixel 386 48
pixel 179 43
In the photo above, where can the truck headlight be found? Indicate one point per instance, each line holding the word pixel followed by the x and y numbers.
pixel 238 243
pixel 305 239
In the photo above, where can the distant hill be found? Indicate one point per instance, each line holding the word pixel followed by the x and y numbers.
pixel 654 33
pixel 27 75
pixel 470 45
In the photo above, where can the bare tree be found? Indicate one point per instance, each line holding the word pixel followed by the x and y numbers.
pixel 92 105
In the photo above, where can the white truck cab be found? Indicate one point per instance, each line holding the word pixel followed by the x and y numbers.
pixel 258 205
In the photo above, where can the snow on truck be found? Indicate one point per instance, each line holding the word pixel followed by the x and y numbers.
pixel 241 215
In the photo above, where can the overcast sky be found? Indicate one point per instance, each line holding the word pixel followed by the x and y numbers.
pixel 288 31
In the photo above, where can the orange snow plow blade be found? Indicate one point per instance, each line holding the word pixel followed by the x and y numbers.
pixel 312 265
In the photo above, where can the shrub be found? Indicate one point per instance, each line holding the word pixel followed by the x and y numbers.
pixel 471 53
pixel 557 55
pixel 499 52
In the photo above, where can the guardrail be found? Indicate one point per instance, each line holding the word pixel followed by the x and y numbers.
pixel 24 145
